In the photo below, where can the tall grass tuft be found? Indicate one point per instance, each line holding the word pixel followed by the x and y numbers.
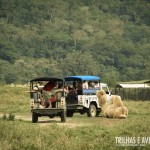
pixel 9 117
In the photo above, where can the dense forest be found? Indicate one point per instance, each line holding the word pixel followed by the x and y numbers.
pixel 108 38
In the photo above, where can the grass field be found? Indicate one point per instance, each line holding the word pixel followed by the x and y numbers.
pixel 78 133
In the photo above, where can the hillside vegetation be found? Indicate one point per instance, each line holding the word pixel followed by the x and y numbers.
pixel 74 37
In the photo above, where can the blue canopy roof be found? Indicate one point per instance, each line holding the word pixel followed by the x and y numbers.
pixel 88 78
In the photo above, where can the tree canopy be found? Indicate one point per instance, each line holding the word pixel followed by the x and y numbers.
pixel 81 37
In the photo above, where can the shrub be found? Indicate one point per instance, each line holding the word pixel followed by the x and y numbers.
pixel 10 117
pixel 4 117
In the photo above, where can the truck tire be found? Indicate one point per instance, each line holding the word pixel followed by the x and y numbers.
pixel 91 112
pixel 69 113
pixel 63 116
pixel 34 117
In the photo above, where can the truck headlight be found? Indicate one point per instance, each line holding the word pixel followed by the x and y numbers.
pixel 81 100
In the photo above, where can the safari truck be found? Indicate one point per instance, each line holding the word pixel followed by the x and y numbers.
pixel 82 98
pixel 46 99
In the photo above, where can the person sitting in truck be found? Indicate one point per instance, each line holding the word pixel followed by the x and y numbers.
pixel 85 85
pixel 96 84
pixel 36 93
pixel 74 85
pixel 48 92
pixel 53 96
pixel 38 98
pixel 71 90
pixel 79 86
pixel 60 88
pixel 51 100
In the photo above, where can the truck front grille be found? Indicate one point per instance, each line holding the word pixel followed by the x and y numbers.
pixel 72 99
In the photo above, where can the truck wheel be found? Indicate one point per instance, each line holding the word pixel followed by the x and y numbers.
pixel 91 112
pixel 63 116
pixel 69 113
pixel 34 118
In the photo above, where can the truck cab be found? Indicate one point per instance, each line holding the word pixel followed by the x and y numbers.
pixel 82 95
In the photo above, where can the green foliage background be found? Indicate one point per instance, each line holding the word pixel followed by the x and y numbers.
pixel 74 37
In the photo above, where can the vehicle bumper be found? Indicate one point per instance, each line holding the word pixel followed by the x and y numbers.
pixel 74 107
pixel 47 111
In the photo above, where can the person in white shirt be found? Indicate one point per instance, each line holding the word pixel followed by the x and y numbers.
pixel 96 84
pixel 85 85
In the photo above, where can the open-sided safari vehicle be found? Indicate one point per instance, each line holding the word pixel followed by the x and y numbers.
pixel 47 98
pixel 82 99
pixel 82 95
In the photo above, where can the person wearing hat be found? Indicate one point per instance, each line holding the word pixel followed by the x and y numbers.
pixel 38 97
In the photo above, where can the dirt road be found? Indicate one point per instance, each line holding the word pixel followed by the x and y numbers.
pixel 43 121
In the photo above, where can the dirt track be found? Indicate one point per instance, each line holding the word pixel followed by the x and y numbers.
pixel 43 121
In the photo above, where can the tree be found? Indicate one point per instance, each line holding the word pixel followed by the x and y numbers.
pixel 66 37
pixel 79 63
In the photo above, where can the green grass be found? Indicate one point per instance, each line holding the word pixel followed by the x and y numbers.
pixel 94 133
pixel 14 99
